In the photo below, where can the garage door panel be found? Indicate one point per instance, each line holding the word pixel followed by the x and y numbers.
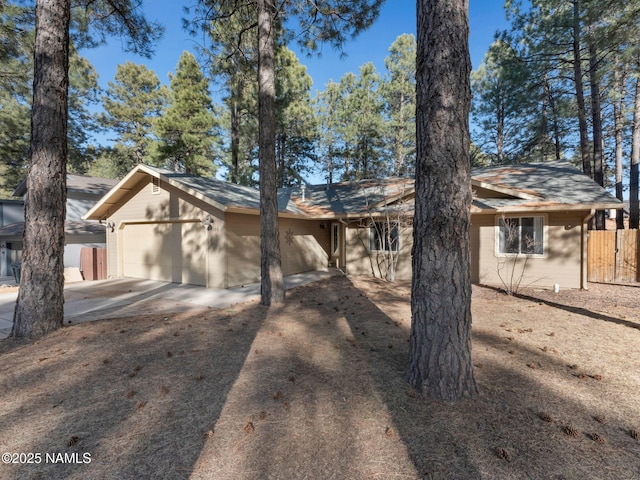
pixel 146 251
pixel 193 259
pixel 170 252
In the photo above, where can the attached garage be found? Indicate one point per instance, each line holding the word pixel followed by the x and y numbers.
pixel 179 228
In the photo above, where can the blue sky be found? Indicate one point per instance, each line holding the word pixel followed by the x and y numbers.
pixel 397 17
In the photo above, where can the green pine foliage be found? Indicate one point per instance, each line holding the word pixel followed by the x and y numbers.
pixel 16 32
pixel 367 121
pixel 327 107
pixel 132 103
pixel 296 125
pixel 399 94
pixel 187 131
pixel 83 122
pixel 16 78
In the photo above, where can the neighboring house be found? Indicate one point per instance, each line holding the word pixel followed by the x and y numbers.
pixel 612 214
pixel 11 211
pixel 82 193
pixel 175 227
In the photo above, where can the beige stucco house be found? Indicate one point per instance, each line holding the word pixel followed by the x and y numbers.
pixel 528 219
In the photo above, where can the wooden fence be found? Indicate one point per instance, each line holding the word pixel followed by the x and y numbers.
pixel 93 263
pixel 612 256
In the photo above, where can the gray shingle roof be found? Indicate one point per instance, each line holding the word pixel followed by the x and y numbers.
pixel 71 227
pixel 349 198
pixel 553 185
pixel 535 186
pixel 77 183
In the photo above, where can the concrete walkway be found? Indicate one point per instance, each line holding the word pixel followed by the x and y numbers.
pixel 127 297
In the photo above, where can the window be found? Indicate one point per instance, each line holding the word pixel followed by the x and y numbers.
pixel 521 236
pixel 335 239
pixel 383 236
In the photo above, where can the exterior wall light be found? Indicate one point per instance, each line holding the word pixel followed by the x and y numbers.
pixel 208 222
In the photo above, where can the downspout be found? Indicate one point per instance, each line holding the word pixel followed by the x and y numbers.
pixel 584 251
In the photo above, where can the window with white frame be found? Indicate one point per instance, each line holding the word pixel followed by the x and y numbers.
pixel 335 239
pixel 383 236
pixel 521 235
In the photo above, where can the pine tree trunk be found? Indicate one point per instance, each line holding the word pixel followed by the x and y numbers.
pixel 618 121
pixel 554 119
pixel 634 210
pixel 272 282
pixel 596 116
pixel 577 77
pixel 235 141
pixel 440 352
pixel 40 305
pixel 330 167
pixel 556 122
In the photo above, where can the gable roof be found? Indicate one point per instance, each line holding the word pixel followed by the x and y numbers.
pixel 528 187
pixel 225 196
pixel 350 199
pixel 551 186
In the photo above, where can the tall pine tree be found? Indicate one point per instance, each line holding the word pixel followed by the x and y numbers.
pixel 331 22
pixel 40 305
pixel 399 94
pixel 132 103
pixel 440 350
pixel 187 129
pixel 295 119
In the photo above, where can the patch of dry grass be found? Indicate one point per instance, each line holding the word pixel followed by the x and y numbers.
pixel 315 389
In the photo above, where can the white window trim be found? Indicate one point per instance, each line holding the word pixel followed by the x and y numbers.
pixel 545 235
pixel 335 239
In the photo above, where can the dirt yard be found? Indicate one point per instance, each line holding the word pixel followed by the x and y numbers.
pixel 315 390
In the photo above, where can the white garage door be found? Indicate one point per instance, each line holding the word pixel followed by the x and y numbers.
pixel 170 252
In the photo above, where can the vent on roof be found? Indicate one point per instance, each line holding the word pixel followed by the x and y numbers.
pixel 155 187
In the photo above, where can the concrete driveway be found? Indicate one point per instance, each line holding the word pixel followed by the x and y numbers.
pixel 127 297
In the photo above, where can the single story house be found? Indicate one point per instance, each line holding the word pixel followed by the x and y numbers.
pixel 82 193
pixel 11 212
pixel 176 227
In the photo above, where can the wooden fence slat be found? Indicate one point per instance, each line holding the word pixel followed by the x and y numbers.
pixel 612 256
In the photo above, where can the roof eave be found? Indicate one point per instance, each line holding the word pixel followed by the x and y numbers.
pixel 396 197
pixel 102 208
pixel 513 192
pixel 547 208
pixel 192 192
pixel 281 213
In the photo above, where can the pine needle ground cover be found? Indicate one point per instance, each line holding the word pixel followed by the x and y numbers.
pixel 315 390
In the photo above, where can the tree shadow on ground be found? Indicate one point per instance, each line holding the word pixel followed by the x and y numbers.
pixel 571 309
pixel 304 405
pixel 314 389
pixel 139 397
pixel 500 434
